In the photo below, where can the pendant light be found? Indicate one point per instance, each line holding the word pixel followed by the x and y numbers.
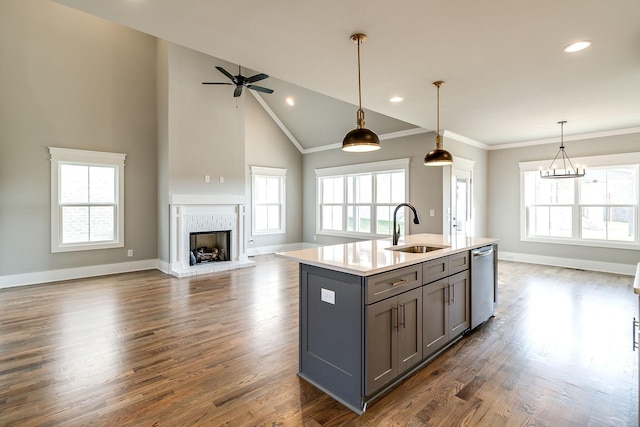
pixel 360 139
pixel 438 156
pixel 567 172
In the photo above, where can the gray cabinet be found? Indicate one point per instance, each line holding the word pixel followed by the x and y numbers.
pixel 393 338
pixel 360 335
pixel 445 304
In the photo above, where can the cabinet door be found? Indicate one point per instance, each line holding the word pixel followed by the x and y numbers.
pixel 409 329
pixel 459 319
pixel 435 320
pixel 382 343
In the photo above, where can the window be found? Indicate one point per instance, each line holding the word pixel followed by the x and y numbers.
pixel 599 209
pixel 87 200
pixel 268 199
pixel 358 200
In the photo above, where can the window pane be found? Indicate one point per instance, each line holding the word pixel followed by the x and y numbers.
pixel 554 191
pixel 102 184
pixel 261 217
pixel 539 221
pixel 560 224
pixel 332 190
pixel 621 185
pixel 102 220
pixel 359 218
pixel 593 187
pixel 359 189
pixel 621 224
pixel 75 224
pixel 615 223
pixel 74 184
pixel 332 217
pixel 260 189
pixel 397 187
pixel 383 220
pixel 273 215
pixel 273 190
pixel 383 188
pixel 594 223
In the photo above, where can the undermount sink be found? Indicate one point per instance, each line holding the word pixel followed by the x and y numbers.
pixel 416 249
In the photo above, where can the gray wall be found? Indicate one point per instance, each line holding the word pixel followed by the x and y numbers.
pixel 504 197
pixel 73 81
pixel 425 183
pixel 206 127
pixel 267 145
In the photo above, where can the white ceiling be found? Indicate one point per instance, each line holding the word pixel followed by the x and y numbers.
pixel 507 77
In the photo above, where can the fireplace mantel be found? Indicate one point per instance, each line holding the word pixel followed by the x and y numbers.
pixel 197 217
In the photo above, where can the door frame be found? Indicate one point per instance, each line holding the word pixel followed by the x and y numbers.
pixel 462 164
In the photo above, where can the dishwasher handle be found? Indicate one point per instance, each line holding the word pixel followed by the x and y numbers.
pixel 482 252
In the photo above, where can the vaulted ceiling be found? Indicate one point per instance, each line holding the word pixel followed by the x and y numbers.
pixel 507 77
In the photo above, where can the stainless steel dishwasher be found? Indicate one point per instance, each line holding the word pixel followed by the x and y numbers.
pixel 484 292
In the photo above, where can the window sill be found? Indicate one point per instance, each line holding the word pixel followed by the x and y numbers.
pixel 634 246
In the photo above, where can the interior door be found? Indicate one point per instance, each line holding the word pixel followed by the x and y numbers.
pixel 461 202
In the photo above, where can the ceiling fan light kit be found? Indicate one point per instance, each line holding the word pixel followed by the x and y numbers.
pixel 241 81
pixel 567 170
pixel 438 156
pixel 360 139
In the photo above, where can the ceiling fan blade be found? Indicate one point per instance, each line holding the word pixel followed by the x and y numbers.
pixel 256 78
pixel 216 83
pixel 237 92
pixel 226 73
pixel 260 89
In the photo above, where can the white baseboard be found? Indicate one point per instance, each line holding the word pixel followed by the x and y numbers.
pixel 265 250
pixel 581 264
pixel 34 278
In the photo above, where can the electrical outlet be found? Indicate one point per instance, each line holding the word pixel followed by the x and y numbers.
pixel 432 212
pixel 207 178
pixel 130 252
pixel 221 179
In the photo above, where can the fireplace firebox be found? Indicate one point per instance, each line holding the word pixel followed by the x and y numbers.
pixel 209 246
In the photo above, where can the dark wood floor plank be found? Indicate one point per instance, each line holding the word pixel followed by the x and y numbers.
pixel 146 349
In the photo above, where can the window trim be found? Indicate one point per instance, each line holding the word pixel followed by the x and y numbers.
pixel 270 172
pixel 60 156
pixel 355 169
pixel 610 160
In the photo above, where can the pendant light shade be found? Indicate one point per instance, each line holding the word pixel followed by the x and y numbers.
pixel 566 169
pixel 360 139
pixel 438 156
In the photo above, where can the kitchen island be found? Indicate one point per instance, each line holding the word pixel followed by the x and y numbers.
pixel 371 313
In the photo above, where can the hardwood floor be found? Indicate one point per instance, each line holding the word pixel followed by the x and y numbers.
pixel 145 349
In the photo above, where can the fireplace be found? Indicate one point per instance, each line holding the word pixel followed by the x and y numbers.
pixel 209 246
pixel 191 220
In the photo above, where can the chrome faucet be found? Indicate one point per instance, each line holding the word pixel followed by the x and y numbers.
pixel 396 229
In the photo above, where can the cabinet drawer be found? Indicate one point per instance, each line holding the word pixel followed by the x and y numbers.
pixel 435 269
pixel 385 285
pixel 458 262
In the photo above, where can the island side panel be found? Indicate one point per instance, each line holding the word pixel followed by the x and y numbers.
pixel 331 333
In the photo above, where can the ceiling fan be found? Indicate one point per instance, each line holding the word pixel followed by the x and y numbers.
pixel 241 81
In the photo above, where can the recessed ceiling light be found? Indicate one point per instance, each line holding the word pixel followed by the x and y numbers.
pixel 396 99
pixel 577 46
pixel 290 101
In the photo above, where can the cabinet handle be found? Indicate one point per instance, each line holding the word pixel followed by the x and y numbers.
pixel 636 324
pixel 404 318
pixel 397 319
pixel 399 282
pixel 453 294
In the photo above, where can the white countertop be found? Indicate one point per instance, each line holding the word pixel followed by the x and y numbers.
pixel 372 256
